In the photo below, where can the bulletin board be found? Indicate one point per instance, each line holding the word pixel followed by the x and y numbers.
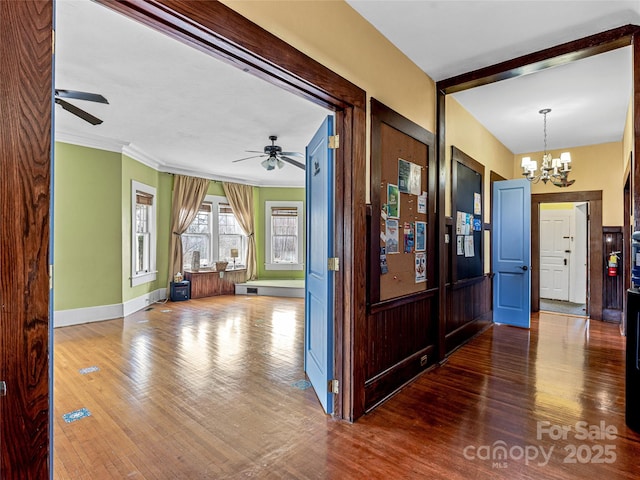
pixel 403 215
pixel 467 197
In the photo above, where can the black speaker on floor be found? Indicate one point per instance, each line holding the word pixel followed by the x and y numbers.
pixel 180 291
pixel 632 376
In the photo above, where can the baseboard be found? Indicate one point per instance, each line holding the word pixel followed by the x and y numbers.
pixel 138 303
pixel 78 316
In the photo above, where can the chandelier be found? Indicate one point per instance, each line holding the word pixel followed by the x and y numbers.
pixel 555 170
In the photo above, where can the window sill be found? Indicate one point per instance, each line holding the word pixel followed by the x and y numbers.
pixel 284 266
pixel 142 279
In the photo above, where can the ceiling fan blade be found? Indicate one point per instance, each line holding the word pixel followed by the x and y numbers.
pixel 247 158
pixel 292 154
pixel 87 117
pixel 91 97
pixel 255 151
pixel 293 162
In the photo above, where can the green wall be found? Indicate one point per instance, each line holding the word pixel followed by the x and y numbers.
pixel 87 227
pixel 92 226
pixel 261 196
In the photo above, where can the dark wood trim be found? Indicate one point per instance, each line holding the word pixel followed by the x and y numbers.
pixel 218 30
pixel 493 177
pixel 396 302
pixel 458 156
pixel 626 236
pixel 381 114
pixel 594 197
pixel 542 59
pixel 224 34
pixel 467 282
pixel 443 264
pixel 635 187
pixel 26 72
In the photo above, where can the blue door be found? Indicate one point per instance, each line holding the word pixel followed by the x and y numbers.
pixel 318 343
pixel 511 252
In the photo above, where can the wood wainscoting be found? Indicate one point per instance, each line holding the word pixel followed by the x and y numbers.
pixel 401 343
pixel 469 310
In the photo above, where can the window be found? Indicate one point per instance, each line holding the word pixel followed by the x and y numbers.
pixel 284 234
pixel 214 233
pixel 143 229
pixel 197 238
pixel 230 235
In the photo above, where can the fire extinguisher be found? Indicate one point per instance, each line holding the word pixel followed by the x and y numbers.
pixel 613 264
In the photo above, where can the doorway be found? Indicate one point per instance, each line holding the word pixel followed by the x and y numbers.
pixel 563 257
pixel 593 246
pixel 225 221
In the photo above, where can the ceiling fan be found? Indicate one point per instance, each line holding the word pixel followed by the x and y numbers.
pixel 91 97
pixel 275 156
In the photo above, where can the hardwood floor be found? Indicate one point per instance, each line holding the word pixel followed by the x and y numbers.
pixel 207 389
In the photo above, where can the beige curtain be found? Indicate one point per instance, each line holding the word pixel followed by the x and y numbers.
pixel 188 195
pixel 240 198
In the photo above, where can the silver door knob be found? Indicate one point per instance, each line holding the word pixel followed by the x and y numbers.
pixel 3 389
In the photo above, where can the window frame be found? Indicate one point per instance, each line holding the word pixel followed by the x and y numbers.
pixel 151 274
pixel 268 253
pixel 215 201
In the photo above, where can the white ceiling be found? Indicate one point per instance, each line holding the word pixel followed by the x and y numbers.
pixel 183 111
pixel 589 98
pixel 171 105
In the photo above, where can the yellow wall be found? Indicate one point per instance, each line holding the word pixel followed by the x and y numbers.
pixel 587 170
pixel 335 35
pixel 557 206
pixel 465 133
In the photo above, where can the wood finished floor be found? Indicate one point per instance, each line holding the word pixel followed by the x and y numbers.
pixel 203 389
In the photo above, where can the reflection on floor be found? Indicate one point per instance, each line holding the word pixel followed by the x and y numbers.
pixel 213 388
pixel 559 306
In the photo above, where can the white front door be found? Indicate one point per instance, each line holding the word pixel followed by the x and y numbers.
pixel 555 251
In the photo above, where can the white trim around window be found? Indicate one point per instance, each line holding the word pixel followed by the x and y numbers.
pixel 270 264
pixel 147 273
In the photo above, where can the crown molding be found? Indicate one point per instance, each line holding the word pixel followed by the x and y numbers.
pixel 91 141
pixel 143 157
pixel 137 154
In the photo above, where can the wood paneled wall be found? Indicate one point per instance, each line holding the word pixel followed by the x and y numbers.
pixel 399 336
pixel 469 310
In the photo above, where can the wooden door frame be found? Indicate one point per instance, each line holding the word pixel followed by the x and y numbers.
pixel 26 94
pixel 594 245
pixel 628 35
pixel 226 35
pixel 626 235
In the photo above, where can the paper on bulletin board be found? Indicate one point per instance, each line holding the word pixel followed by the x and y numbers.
pixel 459 223
pixel 477 204
pixel 468 246
pixel 392 236
pixel 421 236
pixel 393 201
pixel 384 268
pixel 459 245
pixel 415 179
pixel 422 203
pixel 404 175
pixel 421 267
pixel 408 237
